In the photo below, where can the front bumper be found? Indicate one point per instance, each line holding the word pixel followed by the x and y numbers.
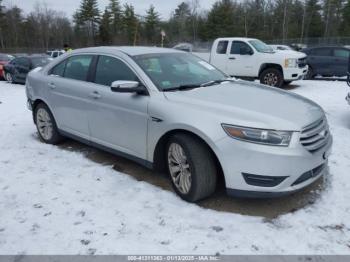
pixel 293 74
pixel 239 158
pixel 347 98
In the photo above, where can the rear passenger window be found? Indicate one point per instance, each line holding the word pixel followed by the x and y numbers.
pixel 111 69
pixel 222 47
pixel 78 67
pixel 321 52
pixel 59 69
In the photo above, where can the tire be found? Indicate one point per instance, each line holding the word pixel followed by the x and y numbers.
pixel 197 169
pixel 310 74
pixel 46 125
pixel 271 77
pixel 9 77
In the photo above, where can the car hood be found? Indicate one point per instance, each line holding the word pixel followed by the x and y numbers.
pixel 249 104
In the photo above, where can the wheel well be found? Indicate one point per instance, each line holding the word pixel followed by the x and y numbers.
pixel 34 105
pixel 159 156
pixel 266 66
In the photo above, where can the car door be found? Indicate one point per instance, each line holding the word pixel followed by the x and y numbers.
pixel 219 59
pixel 241 59
pixel 118 120
pixel 70 94
pixel 22 68
pixel 340 61
pixel 320 60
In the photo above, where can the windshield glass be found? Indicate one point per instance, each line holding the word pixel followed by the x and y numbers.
pixel 172 70
pixel 40 61
pixel 261 46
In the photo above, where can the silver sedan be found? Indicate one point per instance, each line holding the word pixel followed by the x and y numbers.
pixel 168 109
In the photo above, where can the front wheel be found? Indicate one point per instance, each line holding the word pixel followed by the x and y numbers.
pixel 310 74
pixel 46 125
pixel 272 77
pixel 191 167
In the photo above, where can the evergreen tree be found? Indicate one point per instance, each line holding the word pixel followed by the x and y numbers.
pixel 313 21
pixel 152 21
pixel 346 19
pixel 105 28
pixel 88 16
pixel 130 24
pixel 116 19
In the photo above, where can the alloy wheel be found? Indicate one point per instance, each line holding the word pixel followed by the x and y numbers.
pixel 271 79
pixel 44 123
pixel 9 78
pixel 179 168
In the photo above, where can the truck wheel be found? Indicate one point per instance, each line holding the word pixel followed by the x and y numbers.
pixel 271 77
pixel 191 167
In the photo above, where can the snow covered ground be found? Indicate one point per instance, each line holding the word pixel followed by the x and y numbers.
pixel 53 201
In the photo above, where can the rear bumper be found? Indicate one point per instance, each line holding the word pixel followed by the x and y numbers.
pixel 293 74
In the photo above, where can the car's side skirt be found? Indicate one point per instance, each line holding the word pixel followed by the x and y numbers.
pixel 138 160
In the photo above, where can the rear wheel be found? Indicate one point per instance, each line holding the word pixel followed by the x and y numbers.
pixel 9 77
pixel 271 77
pixel 46 125
pixel 191 167
pixel 310 74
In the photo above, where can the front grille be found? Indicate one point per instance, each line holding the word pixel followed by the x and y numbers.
pixel 302 62
pixel 315 136
pixel 310 174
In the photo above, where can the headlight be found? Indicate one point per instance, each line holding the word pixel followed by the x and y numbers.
pixel 291 62
pixel 259 136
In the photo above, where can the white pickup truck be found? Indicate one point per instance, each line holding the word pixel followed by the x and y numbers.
pixel 253 59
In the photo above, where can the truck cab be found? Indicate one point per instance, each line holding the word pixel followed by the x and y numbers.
pixel 253 59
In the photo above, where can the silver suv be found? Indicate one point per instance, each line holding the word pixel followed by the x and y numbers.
pixel 167 109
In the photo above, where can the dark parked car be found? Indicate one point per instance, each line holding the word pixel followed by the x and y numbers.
pixel 327 61
pixel 16 71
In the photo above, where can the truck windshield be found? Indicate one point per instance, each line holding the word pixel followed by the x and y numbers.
pixel 172 70
pixel 261 46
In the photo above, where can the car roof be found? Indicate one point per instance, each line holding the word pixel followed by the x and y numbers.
pixel 129 50
pixel 235 39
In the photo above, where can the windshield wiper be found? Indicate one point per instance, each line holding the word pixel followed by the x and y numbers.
pixel 181 88
pixel 216 82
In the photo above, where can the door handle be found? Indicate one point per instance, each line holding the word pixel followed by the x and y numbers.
pixel 52 85
pixel 95 95
pixel 232 58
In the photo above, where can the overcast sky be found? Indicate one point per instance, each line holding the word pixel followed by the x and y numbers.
pixel 164 7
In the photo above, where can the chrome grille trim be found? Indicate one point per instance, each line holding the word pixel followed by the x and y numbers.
pixel 315 136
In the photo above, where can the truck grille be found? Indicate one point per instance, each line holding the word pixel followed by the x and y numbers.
pixel 315 136
pixel 301 62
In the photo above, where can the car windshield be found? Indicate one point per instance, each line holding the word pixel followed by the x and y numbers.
pixel 172 70
pixel 261 46
pixel 41 61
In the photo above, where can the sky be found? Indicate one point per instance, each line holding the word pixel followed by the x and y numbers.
pixel 164 7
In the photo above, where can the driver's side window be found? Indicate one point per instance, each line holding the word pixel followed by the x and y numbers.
pixel 240 48
pixel 110 69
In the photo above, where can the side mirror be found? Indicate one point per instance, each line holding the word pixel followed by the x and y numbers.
pixel 128 87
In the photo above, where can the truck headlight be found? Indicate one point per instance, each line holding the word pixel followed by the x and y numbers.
pixel 259 136
pixel 290 62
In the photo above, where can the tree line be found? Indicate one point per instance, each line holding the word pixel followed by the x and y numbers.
pixel 119 24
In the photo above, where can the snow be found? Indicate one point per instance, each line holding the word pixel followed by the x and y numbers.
pixel 56 201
